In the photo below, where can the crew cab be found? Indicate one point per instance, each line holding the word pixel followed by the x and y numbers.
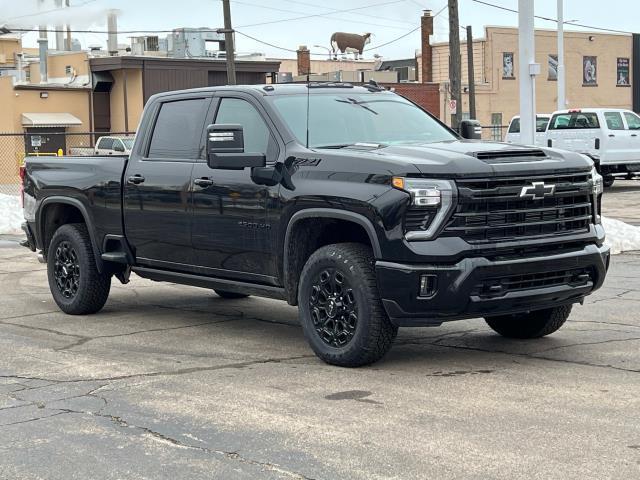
pixel 609 136
pixel 513 131
pixel 350 202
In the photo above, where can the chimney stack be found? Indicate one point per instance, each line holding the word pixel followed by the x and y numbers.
pixel 43 48
pixel 304 60
pixel 59 30
pixel 20 62
pixel 112 29
pixel 427 58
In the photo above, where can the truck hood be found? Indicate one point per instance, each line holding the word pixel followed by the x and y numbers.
pixel 469 158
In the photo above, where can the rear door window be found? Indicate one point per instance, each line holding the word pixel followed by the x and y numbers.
pixel 105 143
pixel 541 124
pixel 614 120
pixel 177 134
pixel 574 121
pixel 632 120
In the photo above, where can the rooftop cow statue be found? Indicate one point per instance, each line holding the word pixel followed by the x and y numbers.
pixel 349 43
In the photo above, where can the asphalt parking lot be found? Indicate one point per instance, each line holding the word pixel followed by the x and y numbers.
pixel 174 382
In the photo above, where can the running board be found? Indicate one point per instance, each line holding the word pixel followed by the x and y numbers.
pixel 211 283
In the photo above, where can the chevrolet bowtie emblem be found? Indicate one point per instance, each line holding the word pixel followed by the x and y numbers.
pixel 537 191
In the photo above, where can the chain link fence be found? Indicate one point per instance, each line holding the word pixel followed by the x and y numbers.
pixel 14 147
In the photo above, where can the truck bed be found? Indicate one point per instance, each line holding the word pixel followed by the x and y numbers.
pixel 94 182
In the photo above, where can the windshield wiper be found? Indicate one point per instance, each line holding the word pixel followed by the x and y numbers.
pixel 365 145
pixel 336 147
pixel 353 101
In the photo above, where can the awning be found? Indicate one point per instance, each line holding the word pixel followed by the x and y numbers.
pixel 49 120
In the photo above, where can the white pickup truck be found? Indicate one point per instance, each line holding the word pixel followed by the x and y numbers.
pixel 513 132
pixel 610 136
pixel 113 145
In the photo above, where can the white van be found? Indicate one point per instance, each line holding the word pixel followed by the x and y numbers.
pixel 513 132
pixel 610 136
pixel 113 145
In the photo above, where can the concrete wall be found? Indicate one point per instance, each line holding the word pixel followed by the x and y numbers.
pixel 135 100
pixel 15 102
pixel 8 48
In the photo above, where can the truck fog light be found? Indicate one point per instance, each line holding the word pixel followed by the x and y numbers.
pixel 428 285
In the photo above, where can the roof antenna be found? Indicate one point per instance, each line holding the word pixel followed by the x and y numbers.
pixel 308 97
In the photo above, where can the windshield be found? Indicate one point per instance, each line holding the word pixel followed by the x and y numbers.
pixel 128 142
pixel 344 119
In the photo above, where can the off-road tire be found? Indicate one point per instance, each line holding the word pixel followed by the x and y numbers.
pixel 230 295
pixel 93 286
pixel 374 333
pixel 530 325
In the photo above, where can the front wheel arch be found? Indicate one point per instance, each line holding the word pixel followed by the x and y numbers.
pixel 293 263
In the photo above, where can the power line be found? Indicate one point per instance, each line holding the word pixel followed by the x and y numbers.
pixel 315 15
pixel 379 17
pixel 555 20
pixel 321 15
pixel 43 12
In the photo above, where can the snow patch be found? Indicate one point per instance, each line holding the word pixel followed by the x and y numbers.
pixel 621 237
pixel 11 216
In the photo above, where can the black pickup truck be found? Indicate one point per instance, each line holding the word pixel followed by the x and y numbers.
pixel 349 201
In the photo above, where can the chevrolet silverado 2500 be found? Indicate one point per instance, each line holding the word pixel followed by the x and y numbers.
pixel 350 202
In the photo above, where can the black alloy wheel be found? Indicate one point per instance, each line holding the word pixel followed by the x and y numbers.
pixel 334 309
pixel 67 270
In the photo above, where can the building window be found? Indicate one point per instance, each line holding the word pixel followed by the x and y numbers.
pixel 67 70
pixel 508 69
pixel 553 67
pixel 589 71
pixel 622 73
pixel 496 127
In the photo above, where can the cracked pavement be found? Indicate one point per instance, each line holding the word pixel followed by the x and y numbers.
pixel 174 382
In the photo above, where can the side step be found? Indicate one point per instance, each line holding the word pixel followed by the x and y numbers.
pixel 211 283
pixel 116 257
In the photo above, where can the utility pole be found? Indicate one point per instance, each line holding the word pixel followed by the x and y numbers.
pixel 472 80
pixel 455 67
pixel 228 42
pixel 562 101
pixel 528 71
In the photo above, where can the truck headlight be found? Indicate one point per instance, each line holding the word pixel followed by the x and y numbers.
pixel 597 187
pixel 598 183
pixel 434 198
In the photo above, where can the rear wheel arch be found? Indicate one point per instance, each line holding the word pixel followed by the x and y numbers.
pixel 57 211
pixel 312 224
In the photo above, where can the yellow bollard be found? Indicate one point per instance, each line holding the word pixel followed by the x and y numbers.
pixel 60 152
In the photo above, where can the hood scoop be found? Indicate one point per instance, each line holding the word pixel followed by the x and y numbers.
pixel 511 156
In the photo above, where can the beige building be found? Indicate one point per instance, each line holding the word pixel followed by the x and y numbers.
pixel 597 70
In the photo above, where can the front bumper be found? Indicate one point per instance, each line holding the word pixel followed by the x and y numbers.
pixel 478 287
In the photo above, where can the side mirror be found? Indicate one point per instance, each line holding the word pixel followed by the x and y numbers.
pixel 470 129
pixel 225 149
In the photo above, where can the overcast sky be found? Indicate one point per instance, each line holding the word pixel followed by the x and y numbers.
pixel 387 20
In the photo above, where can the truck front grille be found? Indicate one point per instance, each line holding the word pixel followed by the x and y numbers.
pixel 492 210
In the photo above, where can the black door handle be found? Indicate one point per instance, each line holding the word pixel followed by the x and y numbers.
pixel 203 182
pixel 135 179
pixel 611 135
pixel 634 134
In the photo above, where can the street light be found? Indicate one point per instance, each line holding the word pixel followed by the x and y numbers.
pixel 329 51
